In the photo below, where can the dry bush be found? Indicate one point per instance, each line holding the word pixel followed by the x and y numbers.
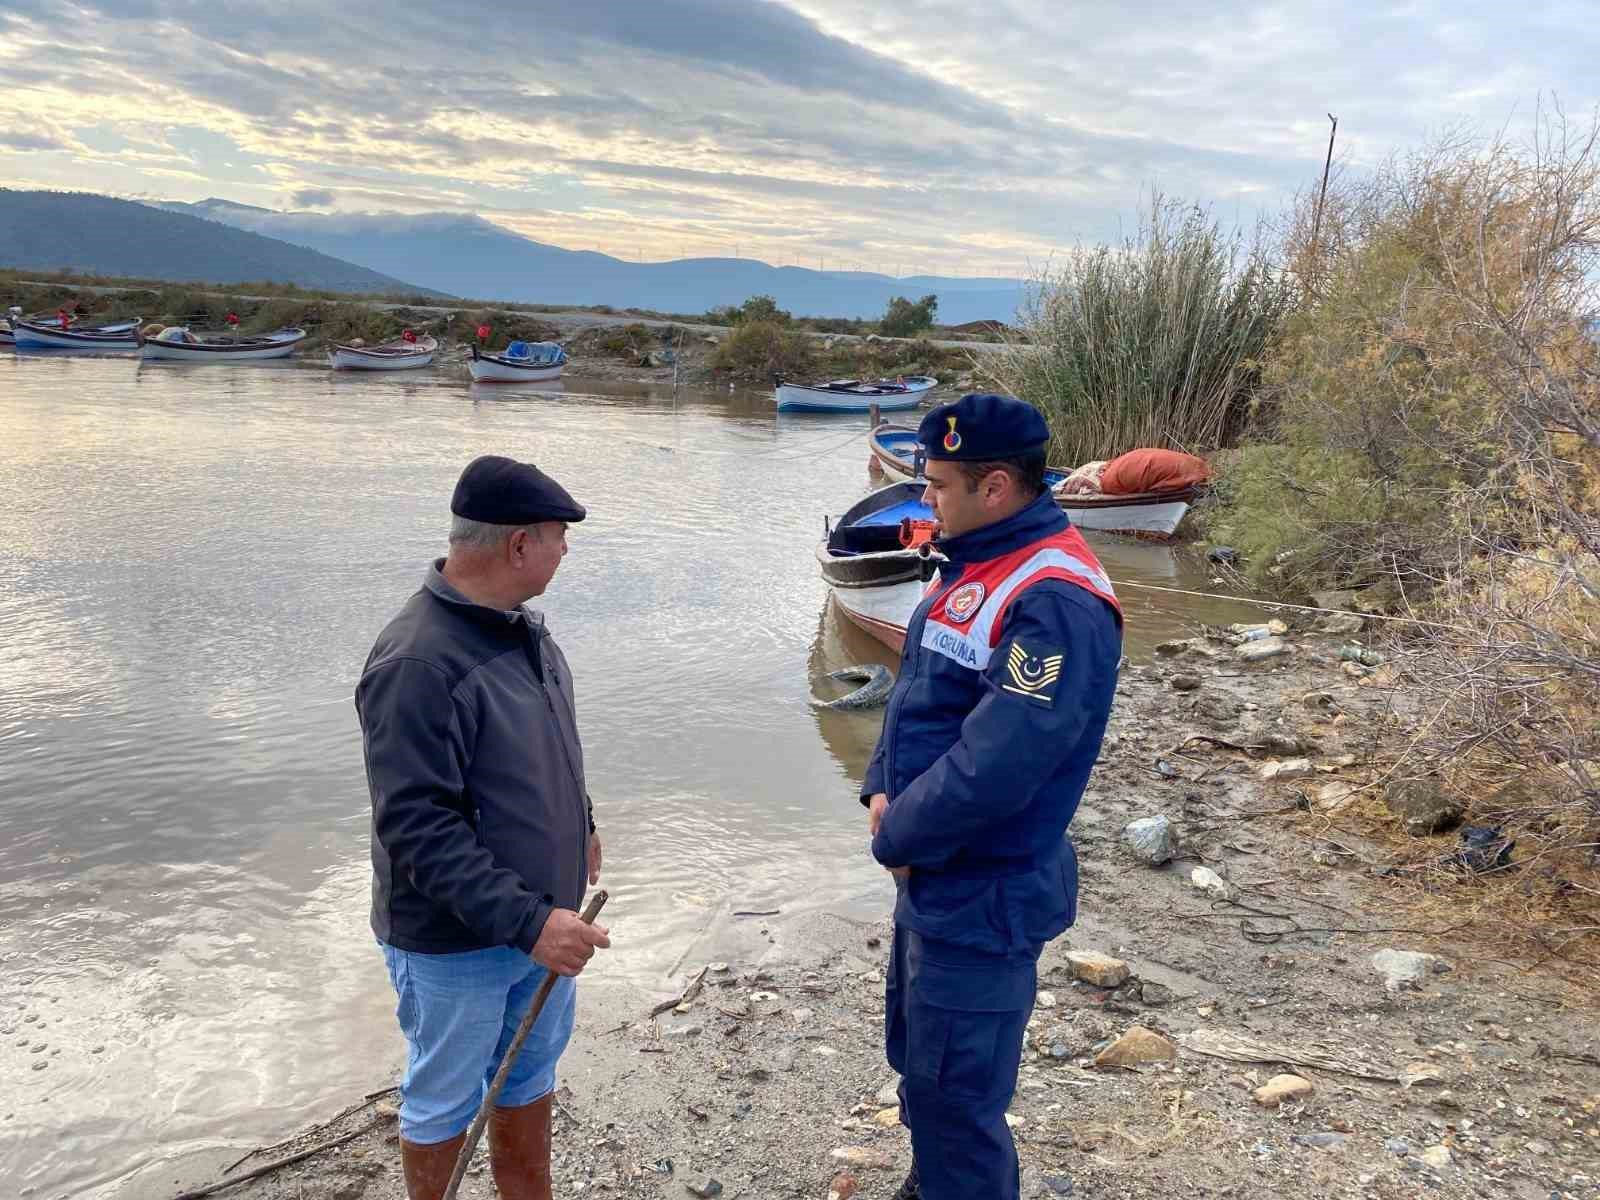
pixel 1433 420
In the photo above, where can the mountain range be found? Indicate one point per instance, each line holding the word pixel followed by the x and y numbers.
pixel 100 235
pixel 443 254
pixel 468 256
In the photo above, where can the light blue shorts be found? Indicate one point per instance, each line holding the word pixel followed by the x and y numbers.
pixel 459 1013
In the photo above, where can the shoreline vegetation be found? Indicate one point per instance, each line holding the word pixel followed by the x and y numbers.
pixel 747 344
pixel 1398 386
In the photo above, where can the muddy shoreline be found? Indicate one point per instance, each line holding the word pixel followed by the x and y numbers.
pixel 1474 1079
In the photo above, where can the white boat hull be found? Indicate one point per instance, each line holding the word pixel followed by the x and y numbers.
pixel 345 359
pixel 181 352
pixel 485 371
pixel 795 397
pixel 35 338
pixel 1147 517
pixel 881 612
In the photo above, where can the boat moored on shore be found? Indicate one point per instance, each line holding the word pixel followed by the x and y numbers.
pixel 520 362
pixel 404 353
pixel 854 395
pixel 1154 515
pixel 180 344
pixel 61 333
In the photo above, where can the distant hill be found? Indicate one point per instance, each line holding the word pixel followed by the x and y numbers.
pixel 98 235
pixel 468 256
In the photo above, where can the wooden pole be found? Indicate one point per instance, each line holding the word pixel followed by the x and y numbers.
pixel 475 1133
pixel 1316 224
pixel 874 414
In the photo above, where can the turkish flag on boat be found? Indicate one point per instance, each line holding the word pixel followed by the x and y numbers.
pixel 232 318
pixel 408 336
pixel 483 333
pixel 61 315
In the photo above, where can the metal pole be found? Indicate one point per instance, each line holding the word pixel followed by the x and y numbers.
pixel 1316 224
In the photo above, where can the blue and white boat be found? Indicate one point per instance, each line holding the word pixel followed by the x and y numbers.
pixel 520 362
pixel 854 395
pixel 35 333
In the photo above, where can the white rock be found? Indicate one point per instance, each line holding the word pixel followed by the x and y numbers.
pixel 1437 1157
pixel 1291 768
pixel 1045 1000
pixel 1208 881
pixel 1403 968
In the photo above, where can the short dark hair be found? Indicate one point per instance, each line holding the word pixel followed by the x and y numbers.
pixel 1026 471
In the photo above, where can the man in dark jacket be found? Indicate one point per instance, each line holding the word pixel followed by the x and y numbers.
pixel 482 831
pixel 995 720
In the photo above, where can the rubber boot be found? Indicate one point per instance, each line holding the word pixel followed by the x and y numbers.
pixel 428 1167
pixel 519 1150
pixel 911 1189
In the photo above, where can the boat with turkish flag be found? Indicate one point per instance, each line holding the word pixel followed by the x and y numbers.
pixel 63 331
pixel 178 343
pixel 404 353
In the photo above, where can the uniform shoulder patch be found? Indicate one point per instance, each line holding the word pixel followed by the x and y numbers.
pixel 1033 672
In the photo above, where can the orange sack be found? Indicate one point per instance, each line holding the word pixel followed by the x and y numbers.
pixel 1152 471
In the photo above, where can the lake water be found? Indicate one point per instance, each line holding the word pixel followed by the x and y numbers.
pixel 194 562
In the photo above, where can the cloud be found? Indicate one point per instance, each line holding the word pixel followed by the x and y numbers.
pixel 970 138
pixel 312 198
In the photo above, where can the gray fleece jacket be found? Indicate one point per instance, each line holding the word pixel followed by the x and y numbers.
pixel 480 815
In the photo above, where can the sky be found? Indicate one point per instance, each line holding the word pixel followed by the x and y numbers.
pixel 923 136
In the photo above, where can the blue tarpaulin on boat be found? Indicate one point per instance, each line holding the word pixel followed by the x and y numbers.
pixel 539 352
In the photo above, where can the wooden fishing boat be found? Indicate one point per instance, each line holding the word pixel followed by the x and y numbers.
pixel 520 362
pixel 404 353
pixel 1154 515
pixel 179 344
pixel 877 579
pixel 47 333
pixel 854 395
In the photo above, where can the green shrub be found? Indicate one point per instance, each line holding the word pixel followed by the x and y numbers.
pixel 904 319
pixel 758 350
pixel 1154 342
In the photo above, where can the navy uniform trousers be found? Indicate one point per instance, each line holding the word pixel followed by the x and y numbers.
pixel 955 1025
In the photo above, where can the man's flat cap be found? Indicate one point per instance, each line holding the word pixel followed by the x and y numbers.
pixel 503 491
pixel 982 427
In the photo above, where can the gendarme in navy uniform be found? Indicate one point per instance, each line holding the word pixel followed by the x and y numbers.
pixel 994 723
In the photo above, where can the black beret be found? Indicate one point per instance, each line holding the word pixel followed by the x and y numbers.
pixel 982 427
pixel 503 491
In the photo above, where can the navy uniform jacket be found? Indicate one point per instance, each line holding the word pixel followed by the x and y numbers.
pixel 994 723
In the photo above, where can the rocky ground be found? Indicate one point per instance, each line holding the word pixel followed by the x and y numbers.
pixel 1271 1025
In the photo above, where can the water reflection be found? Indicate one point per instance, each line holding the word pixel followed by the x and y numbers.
pixel 194 561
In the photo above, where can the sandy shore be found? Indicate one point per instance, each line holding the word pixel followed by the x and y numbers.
pixel 1475 1080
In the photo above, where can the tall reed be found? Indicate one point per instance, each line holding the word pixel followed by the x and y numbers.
pixel 1156 341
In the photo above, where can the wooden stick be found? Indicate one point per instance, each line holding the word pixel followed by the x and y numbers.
pixel 475 1133
pixel 268 1168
